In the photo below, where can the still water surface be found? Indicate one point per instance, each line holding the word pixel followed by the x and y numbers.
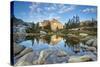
pixel 39 43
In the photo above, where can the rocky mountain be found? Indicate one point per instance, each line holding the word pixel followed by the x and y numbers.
pixel 15 21
pixel 18 24
pixel 53 24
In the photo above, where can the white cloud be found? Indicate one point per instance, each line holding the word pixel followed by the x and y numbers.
pixel 89 10
pixel 66 9
pixel 60 8
pixel 34 8
pixel 50 8
pixel 39 10
pixel 48 12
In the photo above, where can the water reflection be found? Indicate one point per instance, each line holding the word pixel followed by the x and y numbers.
pixel 54 40
pixel 69 44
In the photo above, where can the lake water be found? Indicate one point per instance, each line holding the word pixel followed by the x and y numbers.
pixel 39 43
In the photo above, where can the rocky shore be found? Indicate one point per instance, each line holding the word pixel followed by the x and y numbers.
pixel 28 56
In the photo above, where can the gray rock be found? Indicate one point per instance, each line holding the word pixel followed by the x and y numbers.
pixel 43 55
pixel 52 59
pixel 95 43
pixel 92 41
pixel 91 48
pixel 27 59
pixel 25 51
pixel 89 42
pixel 18 48
pixel 88 56
pixel 49 56
pixel 83 58
pixel 92 55
pixel 22 63
pixel 72 35
pixel 23 60
pixel 83 34
pixel 58 56
pixel 95 53
pixel 61 53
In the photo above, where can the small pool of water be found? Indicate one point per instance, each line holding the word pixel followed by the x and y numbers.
pixel 55 42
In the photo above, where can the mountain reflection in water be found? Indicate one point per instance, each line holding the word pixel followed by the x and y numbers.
pixel 71 45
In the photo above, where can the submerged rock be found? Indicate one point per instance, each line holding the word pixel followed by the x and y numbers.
pixel 61 53
pixel 46 56
pixel 18 48
pixel 43 55
pixel 49 56
pixel 53 59
pixel 58 56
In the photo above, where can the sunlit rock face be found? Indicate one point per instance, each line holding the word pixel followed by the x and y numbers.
pixel 53 24
pixel 44 24
pixel 55 39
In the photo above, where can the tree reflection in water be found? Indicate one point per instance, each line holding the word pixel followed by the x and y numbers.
pixel 72 43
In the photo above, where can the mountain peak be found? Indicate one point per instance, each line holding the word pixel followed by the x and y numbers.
pixel 54 24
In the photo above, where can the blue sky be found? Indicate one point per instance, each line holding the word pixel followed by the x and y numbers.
pixel 37 12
